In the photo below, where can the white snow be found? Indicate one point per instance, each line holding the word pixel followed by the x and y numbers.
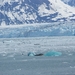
pixel 43 11
pixel 55 6
pixel 24 25
pixel 10 15
pixel 3 24
pixel 9 1
pixel 63 9
pixel 72 17
pixel 66 1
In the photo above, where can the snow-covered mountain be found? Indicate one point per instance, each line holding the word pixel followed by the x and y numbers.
pixel 35 11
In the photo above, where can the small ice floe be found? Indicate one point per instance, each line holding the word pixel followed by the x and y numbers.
pixel 65 62
pixel 18 69
pixel 50 53
pixel 14 58
pixel 4 54
pixel 53 53
pixel 72 66
pixel 24 60
pixel 31 54
pixel 11 55
pixel 70 54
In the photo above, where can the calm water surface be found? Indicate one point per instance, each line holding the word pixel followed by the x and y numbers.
pixel 14 59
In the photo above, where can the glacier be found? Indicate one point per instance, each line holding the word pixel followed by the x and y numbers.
pixel 38 30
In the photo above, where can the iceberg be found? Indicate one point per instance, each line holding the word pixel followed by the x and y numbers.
pixel 53 53
pixel 49 53
pixel 31 54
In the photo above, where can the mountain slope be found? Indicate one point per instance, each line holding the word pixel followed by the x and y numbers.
pixel 69 2
pixel 31 11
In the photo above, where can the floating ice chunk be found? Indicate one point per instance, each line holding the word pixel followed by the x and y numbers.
pixel 31 54
pixel 52 53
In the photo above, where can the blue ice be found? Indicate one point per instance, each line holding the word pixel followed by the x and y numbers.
pixel 53 53
pixel 49 53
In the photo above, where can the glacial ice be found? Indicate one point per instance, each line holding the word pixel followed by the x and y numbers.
pixel 53 53
pixel 49 53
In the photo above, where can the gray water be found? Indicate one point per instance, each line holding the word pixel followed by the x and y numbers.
pixel 14 59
